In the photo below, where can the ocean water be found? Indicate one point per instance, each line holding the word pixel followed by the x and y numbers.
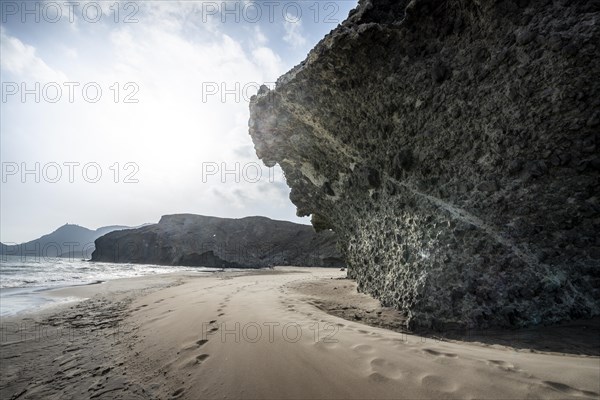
pixel 24 281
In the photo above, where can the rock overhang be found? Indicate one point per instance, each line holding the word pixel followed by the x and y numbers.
pixel 453 150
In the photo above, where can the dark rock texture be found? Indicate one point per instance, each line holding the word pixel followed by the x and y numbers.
pixel 453 146
pixel 197 240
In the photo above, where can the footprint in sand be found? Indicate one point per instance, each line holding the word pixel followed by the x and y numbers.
pixel 439 353
pixel 201 358
pixel 194 346
pixel 386 368
pixel 377 377
pixel 363 348
pixel 561 387
pixel 438 383
pixel 503 365
pixel 178 393
pixel 195 360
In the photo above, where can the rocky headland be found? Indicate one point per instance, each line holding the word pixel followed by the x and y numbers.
pixel 197 240
pixel 453 147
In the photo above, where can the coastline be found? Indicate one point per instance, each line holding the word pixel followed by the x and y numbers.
pixel 48 292
pixel 259 334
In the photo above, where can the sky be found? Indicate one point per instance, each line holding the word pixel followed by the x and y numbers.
pixel 119 112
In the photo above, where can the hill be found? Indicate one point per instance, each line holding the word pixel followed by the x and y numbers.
pixel 70 240
pixel 197 240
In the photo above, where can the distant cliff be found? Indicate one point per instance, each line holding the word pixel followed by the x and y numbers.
pixel 196 240
pixel 68 241
pixel 453 147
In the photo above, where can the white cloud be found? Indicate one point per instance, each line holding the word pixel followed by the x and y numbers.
pixel 21 60
pixel 259 38
pixel 269 62
pixel 293 31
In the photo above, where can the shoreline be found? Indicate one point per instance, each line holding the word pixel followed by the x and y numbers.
pixel 23 301
pixel 259 334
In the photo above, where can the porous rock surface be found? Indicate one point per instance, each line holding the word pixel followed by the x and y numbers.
pixel 198 240
pixel 453 147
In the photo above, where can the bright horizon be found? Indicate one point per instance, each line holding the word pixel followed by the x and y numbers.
pixel 121 117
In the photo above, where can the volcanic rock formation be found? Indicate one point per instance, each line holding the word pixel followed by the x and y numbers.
pixel 197 240
pixel 452 146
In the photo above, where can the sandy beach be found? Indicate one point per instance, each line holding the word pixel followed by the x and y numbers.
pixel 276 334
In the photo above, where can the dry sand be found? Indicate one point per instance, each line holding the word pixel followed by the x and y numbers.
pixel 267 334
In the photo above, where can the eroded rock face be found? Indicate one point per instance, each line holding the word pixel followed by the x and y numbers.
pixel 198 240
pixel 452 145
